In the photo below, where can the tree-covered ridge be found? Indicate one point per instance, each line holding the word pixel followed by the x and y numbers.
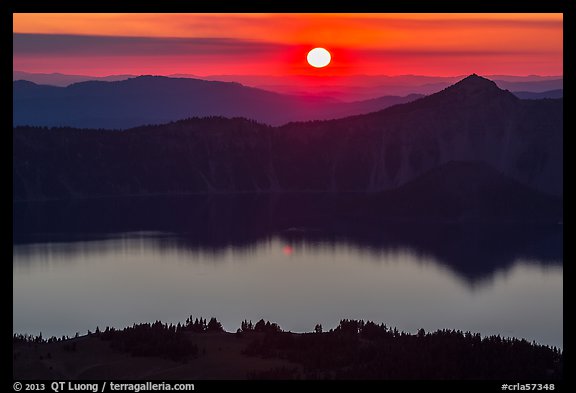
pixel 365 350
pixel 472 121
pixel 355 349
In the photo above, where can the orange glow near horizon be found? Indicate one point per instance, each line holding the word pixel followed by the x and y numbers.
pixel 277 44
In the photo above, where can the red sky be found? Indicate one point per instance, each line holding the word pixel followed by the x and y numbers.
pixel 276 44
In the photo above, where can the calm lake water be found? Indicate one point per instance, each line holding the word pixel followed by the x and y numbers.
pixel 473 280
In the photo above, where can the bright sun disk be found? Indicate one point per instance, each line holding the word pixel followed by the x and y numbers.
pixel 318 57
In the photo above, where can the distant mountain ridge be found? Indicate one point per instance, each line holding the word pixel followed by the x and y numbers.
pixel 63 80
pixel 472 121
pixel 156 100
pixel 349 88
pixel 528 95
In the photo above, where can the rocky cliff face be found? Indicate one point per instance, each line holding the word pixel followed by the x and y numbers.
pixel 471 121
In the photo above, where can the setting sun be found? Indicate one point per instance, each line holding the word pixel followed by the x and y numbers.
pixel 318 57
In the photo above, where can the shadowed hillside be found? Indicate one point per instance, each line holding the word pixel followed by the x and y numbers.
pixel 261 350
pixel 471 121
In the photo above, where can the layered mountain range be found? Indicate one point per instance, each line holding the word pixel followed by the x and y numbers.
pixel 346 88
pixel 475 146
pixel 157 99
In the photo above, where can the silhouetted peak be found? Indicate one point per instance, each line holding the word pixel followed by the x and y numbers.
pixel 477 81
pixel 475 84
pixel 475 88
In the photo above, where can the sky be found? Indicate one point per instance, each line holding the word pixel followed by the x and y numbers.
pixel 277 44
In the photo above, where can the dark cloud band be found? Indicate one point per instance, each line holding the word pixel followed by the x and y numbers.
pixel 91 45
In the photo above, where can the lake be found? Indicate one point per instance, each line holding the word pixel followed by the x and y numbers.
pixel 78 266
